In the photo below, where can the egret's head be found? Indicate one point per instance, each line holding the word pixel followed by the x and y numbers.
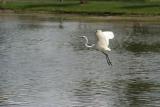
pixel 82 36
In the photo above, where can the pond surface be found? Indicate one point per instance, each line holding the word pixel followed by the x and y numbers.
pixel 44 63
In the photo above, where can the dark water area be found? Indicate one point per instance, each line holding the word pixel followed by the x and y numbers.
pixel 44 63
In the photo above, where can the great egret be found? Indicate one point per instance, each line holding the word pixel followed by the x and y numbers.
pixel 102 42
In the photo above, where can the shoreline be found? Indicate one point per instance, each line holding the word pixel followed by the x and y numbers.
pixel 87 17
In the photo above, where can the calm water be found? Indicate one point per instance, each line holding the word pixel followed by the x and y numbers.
pixel 43 63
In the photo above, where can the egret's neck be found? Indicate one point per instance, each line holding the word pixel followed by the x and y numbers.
pixel 86 44
pixel 86 39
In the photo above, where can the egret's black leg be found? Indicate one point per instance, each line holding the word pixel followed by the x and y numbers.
pixel 107 58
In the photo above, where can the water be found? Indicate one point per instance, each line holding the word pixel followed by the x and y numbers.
pixel 43 63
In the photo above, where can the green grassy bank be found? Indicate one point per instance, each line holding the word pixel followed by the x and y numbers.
pixel 151 7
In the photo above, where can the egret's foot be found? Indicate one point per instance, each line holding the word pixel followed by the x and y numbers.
pixel 109 62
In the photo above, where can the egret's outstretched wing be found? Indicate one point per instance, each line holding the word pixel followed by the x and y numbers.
pixel 108 34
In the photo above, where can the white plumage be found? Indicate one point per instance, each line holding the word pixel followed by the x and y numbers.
pixel 102 44
pixel 103 40
pixel 108 34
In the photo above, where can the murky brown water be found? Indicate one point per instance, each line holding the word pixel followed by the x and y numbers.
pixel 43 63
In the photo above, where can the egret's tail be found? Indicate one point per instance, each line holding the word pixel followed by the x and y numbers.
pixel 108 49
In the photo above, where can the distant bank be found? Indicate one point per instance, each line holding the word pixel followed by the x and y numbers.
pixel 97 8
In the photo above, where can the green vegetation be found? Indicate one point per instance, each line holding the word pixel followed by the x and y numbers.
pixel 101 7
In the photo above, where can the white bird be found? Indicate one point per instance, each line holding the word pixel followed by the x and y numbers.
pixel 102 42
